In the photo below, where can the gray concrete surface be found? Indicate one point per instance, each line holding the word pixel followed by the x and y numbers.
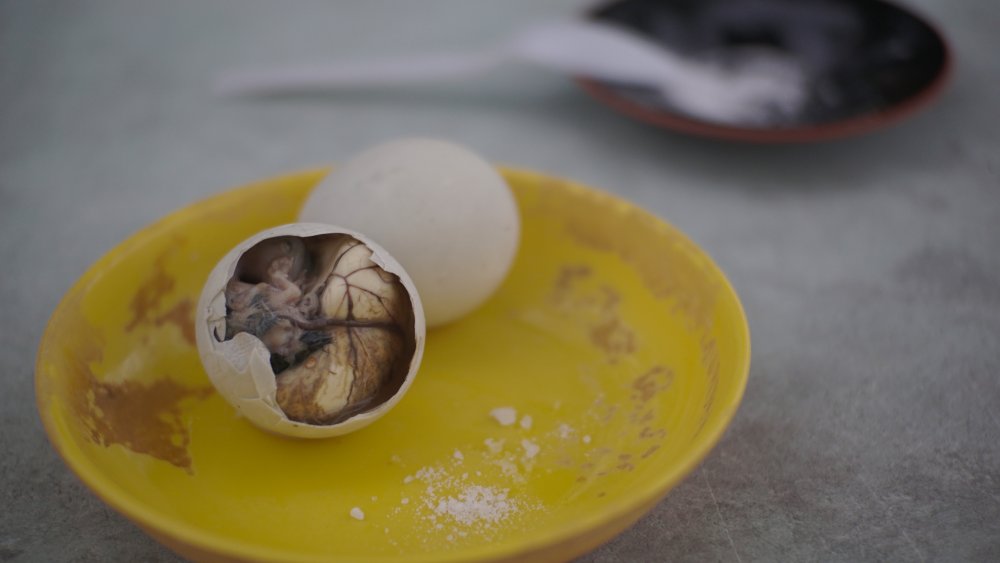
pixel 869 267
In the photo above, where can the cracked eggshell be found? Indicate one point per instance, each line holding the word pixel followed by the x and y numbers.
pixel 240 368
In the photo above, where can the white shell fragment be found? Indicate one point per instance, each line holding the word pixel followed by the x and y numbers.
pixel 329 310
pixel 443 211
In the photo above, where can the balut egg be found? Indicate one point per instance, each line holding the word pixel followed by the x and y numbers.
pixel 310 330
pixel 440 209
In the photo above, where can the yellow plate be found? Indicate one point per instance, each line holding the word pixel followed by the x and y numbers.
pixel 621 346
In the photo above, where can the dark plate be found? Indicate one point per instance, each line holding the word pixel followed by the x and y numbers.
pixel 866 63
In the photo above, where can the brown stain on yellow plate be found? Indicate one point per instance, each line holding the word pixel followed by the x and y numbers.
pixel 650 383
pixel 145 418
pixel 646 388
pixel 566 278
pixel 652 450
pixel 151 293
pixel 670 265
pixel 578 292
pixel 599 310
pixel 181 316
pixel 611 334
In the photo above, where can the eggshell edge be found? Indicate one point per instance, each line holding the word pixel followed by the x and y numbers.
pixel 240 368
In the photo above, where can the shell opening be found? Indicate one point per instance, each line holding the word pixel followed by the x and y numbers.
pixel 339 328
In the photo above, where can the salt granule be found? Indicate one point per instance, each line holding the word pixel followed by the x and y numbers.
pixel 493 445
pixel 357 513
pixel 476 503
pixel 526 422
pixel 429 473
pixel 504 415
pixel 586 439
pixel 531 449
pixel 509 468
pixel 451 499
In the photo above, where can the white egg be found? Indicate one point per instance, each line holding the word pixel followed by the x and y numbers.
pixel 441 210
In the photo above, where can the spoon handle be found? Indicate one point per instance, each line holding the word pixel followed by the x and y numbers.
pixel 357 74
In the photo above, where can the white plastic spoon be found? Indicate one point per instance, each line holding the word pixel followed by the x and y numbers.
pixel 765 84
